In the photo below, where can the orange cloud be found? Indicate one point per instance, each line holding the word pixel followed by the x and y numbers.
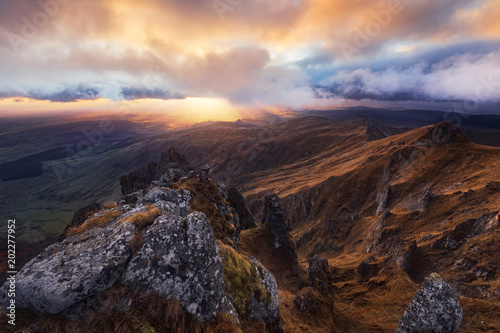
pixel 251 52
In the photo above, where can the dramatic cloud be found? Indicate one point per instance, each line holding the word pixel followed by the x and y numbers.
pixel 251 53
pixel 465 77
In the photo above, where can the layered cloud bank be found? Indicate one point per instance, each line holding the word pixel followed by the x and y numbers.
pixel 252 53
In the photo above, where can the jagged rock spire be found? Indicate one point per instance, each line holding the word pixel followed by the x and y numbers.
pixel 273 217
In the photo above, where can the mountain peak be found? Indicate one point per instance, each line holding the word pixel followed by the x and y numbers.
pixel 442 134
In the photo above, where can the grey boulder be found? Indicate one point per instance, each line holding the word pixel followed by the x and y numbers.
pixel 68 272
pixel 180 259
pixel 435 307
pixel 266 311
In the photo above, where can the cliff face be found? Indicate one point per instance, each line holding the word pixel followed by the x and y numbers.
pixel 151 243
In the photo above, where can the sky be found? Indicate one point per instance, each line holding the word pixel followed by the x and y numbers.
pixel 231 55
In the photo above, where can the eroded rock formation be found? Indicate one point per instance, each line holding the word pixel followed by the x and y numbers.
pixel 237 201
pixel 273 217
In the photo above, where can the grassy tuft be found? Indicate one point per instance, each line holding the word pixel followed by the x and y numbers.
pixel 147 314
pixel 101 220
pixel 109 205
pixel 143 220
pixel 137 241
pixel 223 323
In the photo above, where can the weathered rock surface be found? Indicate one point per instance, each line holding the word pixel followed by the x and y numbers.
pixel 180 259
pixel 266 311
pixel 72 270
pixel 204 170
pixel 168 199
pixel 171 167
pixel 398 253
pixel 418 201
pixel 435 307
pixel 441 134
pixel 273 217
pixel 150 245
pixel 320 275
pixel 466 230
pixel 237 201
pixel 394 167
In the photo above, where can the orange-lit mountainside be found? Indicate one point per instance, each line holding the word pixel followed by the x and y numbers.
pixel 307 224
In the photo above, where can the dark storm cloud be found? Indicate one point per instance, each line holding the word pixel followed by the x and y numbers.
pixel 68 94
pixel 129 93
pixel 65 95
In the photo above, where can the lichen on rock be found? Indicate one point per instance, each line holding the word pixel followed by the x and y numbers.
pixel 66 273
pixel 158 241
pixel 435 307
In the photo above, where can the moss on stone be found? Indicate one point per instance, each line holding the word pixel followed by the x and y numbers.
pixel 241 279
pixel 206 196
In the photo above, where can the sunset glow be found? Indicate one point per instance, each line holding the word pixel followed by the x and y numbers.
pixel 240 55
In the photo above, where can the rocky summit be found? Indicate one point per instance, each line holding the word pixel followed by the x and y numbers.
pixel 150 243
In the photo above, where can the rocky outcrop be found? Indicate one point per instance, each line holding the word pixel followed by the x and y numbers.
pixel 211 198
pixel 441 134
pixel 170 200
pixel 180 259
pixel 171 167
pixel 299 207
pixel 253 288
pixel 267 310
pixel 394 167
pixel 375 233
pixel 398 253
pixel 320 275
pixel 435 308
pixel 381 199
pixel 273 218
pixel 466 230
pixel 320 289
pixel 68 272
pixel 204 170
pixel 418 201
pixel 237 201
pixel 393 251
pixel 151 244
